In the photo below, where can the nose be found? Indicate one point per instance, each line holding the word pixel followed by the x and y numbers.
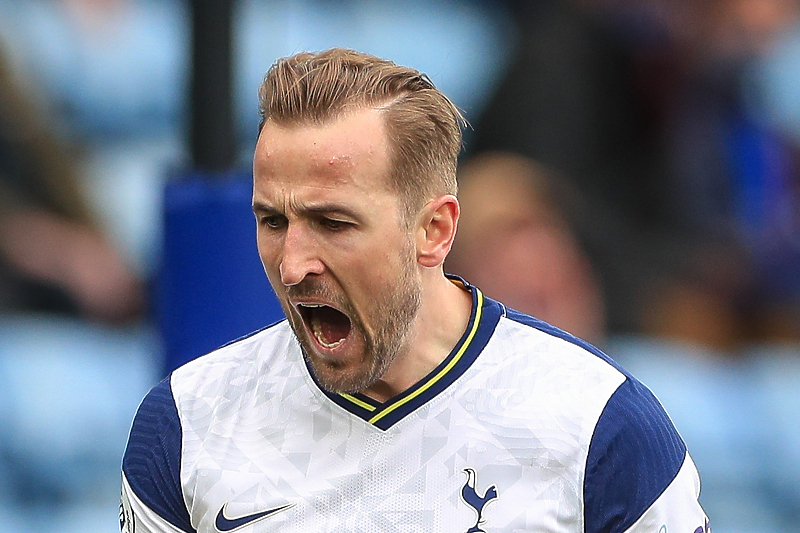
pixel 300 256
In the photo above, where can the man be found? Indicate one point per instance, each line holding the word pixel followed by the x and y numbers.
pixel 394 398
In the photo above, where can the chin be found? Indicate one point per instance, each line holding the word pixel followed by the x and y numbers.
pixel 341 380
pixel 340 374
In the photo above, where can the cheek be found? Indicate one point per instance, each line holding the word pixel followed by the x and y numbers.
pixel 379 271
pixel 361 275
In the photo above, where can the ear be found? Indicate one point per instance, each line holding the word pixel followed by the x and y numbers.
pixel 436 230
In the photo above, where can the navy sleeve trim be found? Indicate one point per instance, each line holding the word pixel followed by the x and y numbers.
pixel 152 460
pixel 634 455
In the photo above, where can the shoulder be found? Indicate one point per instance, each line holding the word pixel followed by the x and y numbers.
pixel 634 451
pixel 540 335
pixel 639 475
pixel 245 358
pixel 152 461
pixel 548 357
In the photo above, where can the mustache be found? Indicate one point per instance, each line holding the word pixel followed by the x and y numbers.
pixel 313 288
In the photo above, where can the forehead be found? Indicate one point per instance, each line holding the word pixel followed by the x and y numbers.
pixel 350 151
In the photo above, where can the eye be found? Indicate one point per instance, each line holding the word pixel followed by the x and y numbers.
pixel 272 221
pixel 333 224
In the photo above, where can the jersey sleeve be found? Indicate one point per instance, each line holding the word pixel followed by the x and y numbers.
pixel 152 498
pixel 639 476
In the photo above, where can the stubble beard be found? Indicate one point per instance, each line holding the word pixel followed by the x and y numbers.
pixel 394 315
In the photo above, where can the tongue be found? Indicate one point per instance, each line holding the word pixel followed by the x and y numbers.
pixel 330 326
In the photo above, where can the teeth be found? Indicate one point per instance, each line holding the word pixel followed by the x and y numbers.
pixel 315 330
pixel 325 344
pixel 315 327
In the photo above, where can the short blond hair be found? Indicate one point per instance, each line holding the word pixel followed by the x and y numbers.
pixel 423 125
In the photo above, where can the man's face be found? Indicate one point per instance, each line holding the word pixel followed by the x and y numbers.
pixel 333 242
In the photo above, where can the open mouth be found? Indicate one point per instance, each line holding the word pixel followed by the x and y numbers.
pixel 329 326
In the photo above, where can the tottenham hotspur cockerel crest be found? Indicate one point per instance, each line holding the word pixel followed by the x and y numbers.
pixel 477 501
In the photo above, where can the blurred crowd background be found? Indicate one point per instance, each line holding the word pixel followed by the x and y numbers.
pixel 631 174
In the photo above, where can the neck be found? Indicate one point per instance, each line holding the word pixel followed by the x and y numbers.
pixel 440 323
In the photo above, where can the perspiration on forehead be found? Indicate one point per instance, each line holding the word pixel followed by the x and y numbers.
pixel 330 159
pixel 354 145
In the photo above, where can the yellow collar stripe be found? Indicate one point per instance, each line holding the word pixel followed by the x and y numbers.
pixel 363 405
pixel 445 370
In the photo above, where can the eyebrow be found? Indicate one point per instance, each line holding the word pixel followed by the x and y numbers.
pixel 263 208
pixel 319 209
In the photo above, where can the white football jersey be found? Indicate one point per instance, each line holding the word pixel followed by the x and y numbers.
pixel 522 428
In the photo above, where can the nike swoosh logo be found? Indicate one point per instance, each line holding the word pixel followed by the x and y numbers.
pixel 225 524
